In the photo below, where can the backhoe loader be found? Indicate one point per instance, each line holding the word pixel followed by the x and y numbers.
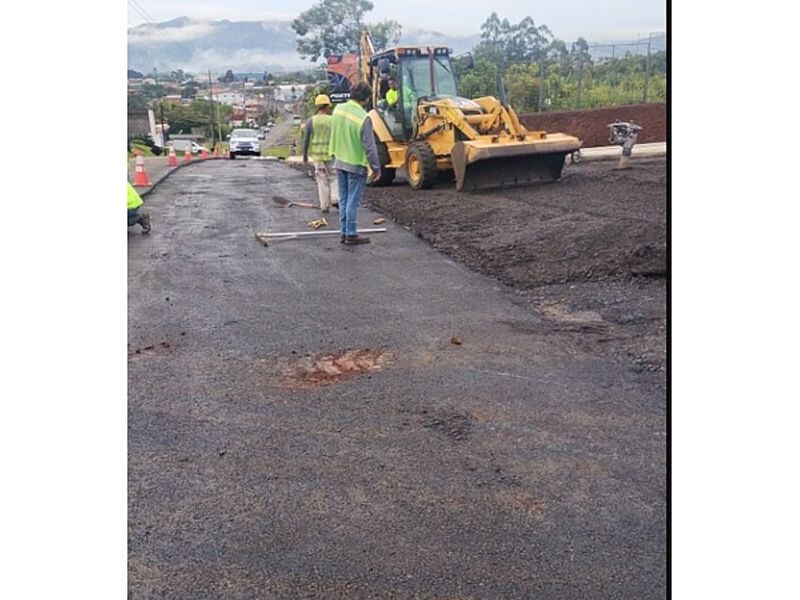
pixel 432 130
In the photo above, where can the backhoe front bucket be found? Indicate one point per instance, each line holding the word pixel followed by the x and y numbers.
pixel 483 164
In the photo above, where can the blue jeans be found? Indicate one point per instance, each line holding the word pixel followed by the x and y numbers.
pixel 351 188
pixel 133 216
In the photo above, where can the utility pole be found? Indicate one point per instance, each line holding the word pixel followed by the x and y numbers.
pixel 219 124
pixel 211 100
pixel 163 135
pixel 541 84
pixel 647 69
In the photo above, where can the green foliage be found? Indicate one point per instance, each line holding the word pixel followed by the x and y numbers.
pixel 480 81
pixel 190 90
pixel 334 27
pixel 503 42
pixel 183 118
pixel 385 34
pixel 310 94
pixel 571 80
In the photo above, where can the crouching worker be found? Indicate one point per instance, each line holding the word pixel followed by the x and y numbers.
pixel 135 213
pixel 316 142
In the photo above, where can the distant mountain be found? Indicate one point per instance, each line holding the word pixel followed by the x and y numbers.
pixel 195 46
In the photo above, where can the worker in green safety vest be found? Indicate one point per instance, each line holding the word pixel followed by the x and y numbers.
pixel 354 153
pixel 135 213
pixel 316 146
pixel 392 95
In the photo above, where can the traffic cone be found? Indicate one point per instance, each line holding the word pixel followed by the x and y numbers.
pixel 140 177
pixel 203 153
pixel 172 160
pixel 187 156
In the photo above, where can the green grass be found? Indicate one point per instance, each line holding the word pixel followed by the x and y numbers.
pixel 276 151
pixel 145 150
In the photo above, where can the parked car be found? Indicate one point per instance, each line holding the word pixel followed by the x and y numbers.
pixel 244 141
pixel 296 120
pixel 181 146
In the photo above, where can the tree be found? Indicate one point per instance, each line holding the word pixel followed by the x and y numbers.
pixel 228 77
pixel 334 27
pixel 503 42
pixel 190 90
pixel 579 53
pixel 134 74
pixel 386 34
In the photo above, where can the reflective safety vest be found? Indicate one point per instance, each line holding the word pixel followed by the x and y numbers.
pixel 134 199
pixel 391 97
pixel 319 145
pixel 346 123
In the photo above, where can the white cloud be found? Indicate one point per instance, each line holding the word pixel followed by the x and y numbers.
pixel 240 60
pixel 209 11
pixel 149 35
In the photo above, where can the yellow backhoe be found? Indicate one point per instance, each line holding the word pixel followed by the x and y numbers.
pixel 431 129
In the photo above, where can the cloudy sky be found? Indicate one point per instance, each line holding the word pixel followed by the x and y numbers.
pixel 597 20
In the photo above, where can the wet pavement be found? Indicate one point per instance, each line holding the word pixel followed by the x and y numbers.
pixel 314 420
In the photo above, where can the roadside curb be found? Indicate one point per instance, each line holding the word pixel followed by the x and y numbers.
pixel 650 150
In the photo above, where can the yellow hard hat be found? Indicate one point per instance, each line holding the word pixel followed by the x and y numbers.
pixel 322 100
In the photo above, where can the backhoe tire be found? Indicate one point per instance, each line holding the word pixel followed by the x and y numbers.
pixel 421 166
pixel 387 174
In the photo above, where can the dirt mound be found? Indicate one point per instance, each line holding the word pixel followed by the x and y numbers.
pixel 591 126
pixel 588 253
pixel 596 223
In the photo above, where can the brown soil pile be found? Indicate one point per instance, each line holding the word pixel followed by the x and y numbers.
pixel 591 126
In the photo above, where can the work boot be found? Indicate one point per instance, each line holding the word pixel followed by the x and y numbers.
pixel 144 221
pixel 325 210
pixel 342 238
pixel 356 239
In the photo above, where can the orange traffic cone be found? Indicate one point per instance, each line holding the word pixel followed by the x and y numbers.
pixel 140 178
pixel 187 156
pixel 172 160
pixel 203 152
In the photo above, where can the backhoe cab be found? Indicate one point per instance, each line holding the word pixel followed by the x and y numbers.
pixel 431 129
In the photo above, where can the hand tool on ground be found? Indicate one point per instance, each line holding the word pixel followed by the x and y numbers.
pixel 263 240
pixel 285 202
pixel 298 234
pixel 317 223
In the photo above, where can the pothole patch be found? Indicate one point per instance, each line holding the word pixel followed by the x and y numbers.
pixel 580 320
pixel 326 369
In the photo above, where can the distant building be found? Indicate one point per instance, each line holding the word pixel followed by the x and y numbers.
pixel 138 122
pixel 290 92
pixel 229 98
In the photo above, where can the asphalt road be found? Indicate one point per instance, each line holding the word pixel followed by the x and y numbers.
pixel 314 420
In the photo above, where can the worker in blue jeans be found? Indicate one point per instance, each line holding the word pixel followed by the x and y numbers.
pixel 353 149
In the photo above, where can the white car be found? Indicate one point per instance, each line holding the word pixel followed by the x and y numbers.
pixel 244 141
pixel 182 145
